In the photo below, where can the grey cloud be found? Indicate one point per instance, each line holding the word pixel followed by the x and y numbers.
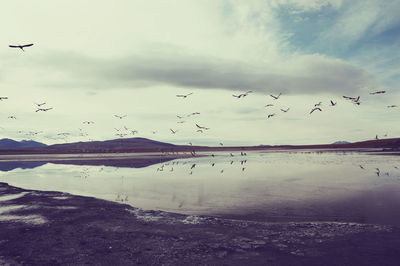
pixel 313 75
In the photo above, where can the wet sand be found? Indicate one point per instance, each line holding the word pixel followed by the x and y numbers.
pixel 54 228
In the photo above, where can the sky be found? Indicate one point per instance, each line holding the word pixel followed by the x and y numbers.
pixel 92 60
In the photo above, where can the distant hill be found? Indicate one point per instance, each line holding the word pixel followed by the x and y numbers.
pixel 115 145
pixel 9 144
pixel 341 142
pixel 131 145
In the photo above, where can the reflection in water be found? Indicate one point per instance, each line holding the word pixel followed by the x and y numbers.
pixel 273 186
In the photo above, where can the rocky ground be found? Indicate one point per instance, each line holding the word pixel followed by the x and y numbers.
pixel 54 228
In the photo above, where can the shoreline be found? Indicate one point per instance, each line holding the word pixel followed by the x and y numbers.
pixel 55 228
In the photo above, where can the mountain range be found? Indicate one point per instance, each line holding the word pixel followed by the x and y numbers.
pixel 125 145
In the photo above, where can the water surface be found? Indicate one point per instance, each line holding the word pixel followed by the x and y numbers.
pixel 266 186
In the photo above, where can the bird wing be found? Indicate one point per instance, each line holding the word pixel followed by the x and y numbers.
pixel 27 45
pixel 14 46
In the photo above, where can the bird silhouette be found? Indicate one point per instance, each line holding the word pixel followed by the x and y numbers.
pixel 271 115
pixel 3 98
pixel 201 127
pixel 285 110
pixel 12 117
pixel 269 105
pixel 21 46
pixel 317 104
pixel 40 104
pixel 173 131
pixel 392 106
pixel 242 94
pixel 184 96
pixel 377 92
pixel 43 109
pixel 332 103
pixel 315 109
pixel 276 97
pixel 119 116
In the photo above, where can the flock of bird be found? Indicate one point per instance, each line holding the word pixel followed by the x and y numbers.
pixel 125 131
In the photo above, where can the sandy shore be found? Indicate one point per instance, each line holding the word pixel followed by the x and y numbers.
pixel 54 228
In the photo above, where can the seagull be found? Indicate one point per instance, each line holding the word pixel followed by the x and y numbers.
pixel 121 135
pixel 392 106
pixel 377 92
pixel 180 122
pixel 154 132
pixel 88 122
pixel 212 164
pixel 242 95
pixel 332 103
pixel 200 127
pixel 173 131
pixel 314 109
pixel 275 97
pixel 21 46
pixel 268 105
pixel 193 166
pixel 12 117
pixel 317 104
pixel 221 144
pixel 180 117
pixel 376 137
pixel 43 109
pixel 362 167
pixel 133 132
pixel 285 111
pixel 39 104
pixel 3 98
pixel 271 115
pixel 119 116
pixel 199 130
pixel 184 96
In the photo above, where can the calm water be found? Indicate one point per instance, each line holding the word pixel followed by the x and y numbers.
pixel 274 186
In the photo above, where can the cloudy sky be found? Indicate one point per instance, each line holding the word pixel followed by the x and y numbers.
pixel 92 60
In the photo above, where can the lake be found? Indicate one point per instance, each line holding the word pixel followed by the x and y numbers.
pixel 269 186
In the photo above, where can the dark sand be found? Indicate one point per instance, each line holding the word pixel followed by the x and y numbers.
pixel 53 228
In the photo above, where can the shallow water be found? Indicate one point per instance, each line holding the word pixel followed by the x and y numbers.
pixel 266 186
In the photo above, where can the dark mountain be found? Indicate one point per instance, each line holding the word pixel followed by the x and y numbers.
pixel 115 145
pixel 9 144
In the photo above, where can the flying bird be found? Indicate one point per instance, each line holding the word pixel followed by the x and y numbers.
pixel 88 122
pixel 242 94
pixel 184 96
pixel 392 106
pixel 119 116
pixel 285 111
pixel 276 97
pixel 180 117
pixel 314 109
pixel 317 104
pixel 173 131
pixel 43 109
pixel 377 92
pixel 271 115
pixel 268 105
pixel 332 103
pixel 3 98
pixel 21 46
pixel 39 104
pixel 12 117
pixel 200 127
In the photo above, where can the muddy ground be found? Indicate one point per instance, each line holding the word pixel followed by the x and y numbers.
pixel 54 228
